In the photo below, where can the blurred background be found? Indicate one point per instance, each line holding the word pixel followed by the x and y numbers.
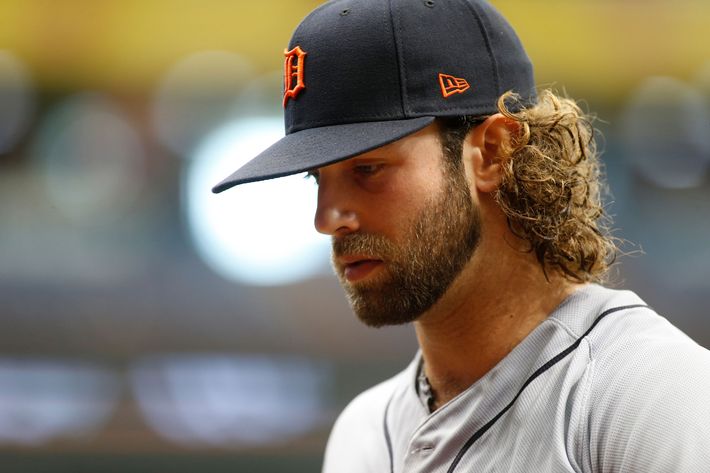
pixel 149 325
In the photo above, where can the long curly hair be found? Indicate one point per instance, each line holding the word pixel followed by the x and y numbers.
pixel 551 186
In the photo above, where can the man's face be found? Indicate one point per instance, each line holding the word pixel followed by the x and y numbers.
pixel 403 225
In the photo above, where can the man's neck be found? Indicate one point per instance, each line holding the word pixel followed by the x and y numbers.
pixel 482 318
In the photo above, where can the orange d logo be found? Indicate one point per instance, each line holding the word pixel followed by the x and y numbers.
pixel 293 73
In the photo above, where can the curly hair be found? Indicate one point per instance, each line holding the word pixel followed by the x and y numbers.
pixel 550 191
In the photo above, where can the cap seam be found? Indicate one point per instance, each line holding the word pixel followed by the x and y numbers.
pixel 387 117
pixel 396 35
pixel 487 40
pixel 414 114
pixel 465 110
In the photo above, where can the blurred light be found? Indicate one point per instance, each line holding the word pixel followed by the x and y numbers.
pixel 42 400
pixel 666 129
pixel 260 233
pixel 196 95
pixel 702 80
pixel 92 159
pixel 221 400
pixel 262 96
pixel 16 101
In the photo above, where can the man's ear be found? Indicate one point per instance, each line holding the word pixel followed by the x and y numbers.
pixel 491 142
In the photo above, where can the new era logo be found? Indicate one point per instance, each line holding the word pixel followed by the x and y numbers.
pixel 451 85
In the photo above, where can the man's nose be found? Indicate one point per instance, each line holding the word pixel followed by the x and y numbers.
pixel 334 214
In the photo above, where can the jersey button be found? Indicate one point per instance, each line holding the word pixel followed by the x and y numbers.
pixel 421 450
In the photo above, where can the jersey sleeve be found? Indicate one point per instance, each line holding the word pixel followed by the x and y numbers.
pixel 649 408
pixel 357 441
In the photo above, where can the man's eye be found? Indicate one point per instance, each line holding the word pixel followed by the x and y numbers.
pixel 368 169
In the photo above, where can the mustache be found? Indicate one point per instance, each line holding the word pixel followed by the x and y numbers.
pixel 362 243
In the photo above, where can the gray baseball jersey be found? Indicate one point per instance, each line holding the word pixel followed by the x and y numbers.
pixel 603 385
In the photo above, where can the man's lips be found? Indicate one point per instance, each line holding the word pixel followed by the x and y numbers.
pixel 355 268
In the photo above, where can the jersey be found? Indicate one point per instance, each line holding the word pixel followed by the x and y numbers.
pixel 603 385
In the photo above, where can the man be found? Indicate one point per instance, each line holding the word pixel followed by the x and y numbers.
pixel 461 201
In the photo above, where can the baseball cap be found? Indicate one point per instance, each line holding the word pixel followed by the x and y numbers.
pixel 359 74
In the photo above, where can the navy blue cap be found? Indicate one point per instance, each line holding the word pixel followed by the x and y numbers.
pixel 359 74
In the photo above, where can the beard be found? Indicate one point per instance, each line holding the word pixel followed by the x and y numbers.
pixel 435 248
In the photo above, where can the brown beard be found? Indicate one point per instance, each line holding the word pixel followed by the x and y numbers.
pixel 417 273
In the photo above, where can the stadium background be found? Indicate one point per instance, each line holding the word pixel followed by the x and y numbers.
pixel 130 342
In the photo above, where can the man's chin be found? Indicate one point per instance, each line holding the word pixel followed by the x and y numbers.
pixel 375 320
pixel 381 311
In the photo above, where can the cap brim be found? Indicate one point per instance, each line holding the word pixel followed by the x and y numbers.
pixel 316 147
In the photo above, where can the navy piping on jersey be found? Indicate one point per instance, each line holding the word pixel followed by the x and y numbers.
pixel 387 436
pixel 479 433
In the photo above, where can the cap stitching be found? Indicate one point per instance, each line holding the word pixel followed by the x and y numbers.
pixel 487 40
pixel 396 35
pixel 374 117
pixel 468 110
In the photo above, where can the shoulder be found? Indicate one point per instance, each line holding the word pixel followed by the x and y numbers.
pixel 638 343
pixel 649 403
pixel 357 441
